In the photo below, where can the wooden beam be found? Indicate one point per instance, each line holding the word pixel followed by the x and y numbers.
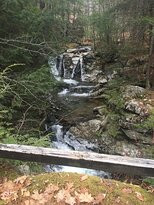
pixel 110 163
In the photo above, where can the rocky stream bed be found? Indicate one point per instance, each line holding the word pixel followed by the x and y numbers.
pixel 85 120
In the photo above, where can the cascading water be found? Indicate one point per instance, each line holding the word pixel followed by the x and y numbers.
pixel 74 76
pixel 68 142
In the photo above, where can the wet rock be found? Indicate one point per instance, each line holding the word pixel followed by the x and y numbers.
pixel 79 144
pixel 137 107
pixel 131 91
pixel 89 58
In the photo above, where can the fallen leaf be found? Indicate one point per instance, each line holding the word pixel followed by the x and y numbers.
pixel 139 196
pixel 83 190
pixel 83 178
pixel 30 202
pixel 60 196
pixel 86 198
pixel 36 195
pixel 8 186
pixel 99 198
pixel 127 190
pixel 69 187
pixel 51 189
pixel 9 196
pixel 70 200
pixel 25 193
pixel 21 180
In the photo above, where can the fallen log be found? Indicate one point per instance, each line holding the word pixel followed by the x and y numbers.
pixel 90 160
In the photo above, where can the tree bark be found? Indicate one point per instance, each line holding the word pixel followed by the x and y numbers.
pixel 150 69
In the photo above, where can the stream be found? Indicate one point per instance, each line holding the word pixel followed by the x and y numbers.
pixel 78 107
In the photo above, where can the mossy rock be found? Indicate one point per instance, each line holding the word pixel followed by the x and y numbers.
pixel 114 192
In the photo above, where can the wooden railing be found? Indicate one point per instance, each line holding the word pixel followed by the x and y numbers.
pixel 110 163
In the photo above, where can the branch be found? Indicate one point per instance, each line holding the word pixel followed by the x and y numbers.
pixel 23 120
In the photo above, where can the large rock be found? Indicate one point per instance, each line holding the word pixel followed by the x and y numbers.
pixel 84 136
pixel 131 91
pixel 87 129
pixel 124 148
pixel 78 143
pixel 137 107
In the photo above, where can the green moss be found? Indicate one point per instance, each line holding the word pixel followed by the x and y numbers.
pixel 95 185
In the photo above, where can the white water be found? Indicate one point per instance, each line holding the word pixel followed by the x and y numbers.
pixel 63 142
pixel 63 92
pixel 67 141
pixel 70 81
pixel 80 94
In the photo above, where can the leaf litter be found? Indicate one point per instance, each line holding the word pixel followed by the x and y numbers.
pixel 17 192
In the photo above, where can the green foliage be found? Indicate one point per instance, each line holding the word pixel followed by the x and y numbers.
pixel 24 101
pixel 149 181
pixel 113 94
pixel 114 107
pixel 149 122
pixel 105 26
pixel 113 126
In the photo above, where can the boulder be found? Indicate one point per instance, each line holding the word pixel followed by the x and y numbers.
pixel 130 120
pixel 113 146
pixel 86 129
pixel 78 143
pixel 131 91
pixel 124 148
pixel 137 107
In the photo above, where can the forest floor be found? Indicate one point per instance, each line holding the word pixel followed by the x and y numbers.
pixel 69 189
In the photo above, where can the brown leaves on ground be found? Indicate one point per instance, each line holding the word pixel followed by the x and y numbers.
pixel 83 178
pixel 18 192
pixel 127 190
pixel 139 196
pixel 9 190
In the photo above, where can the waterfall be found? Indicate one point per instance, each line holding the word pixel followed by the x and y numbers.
pixel 69 68
pixel 54 70
pixel 60 69
pixel 68 142
pixel 60 65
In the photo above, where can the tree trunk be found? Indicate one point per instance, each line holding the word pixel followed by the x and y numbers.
pixel 150 69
